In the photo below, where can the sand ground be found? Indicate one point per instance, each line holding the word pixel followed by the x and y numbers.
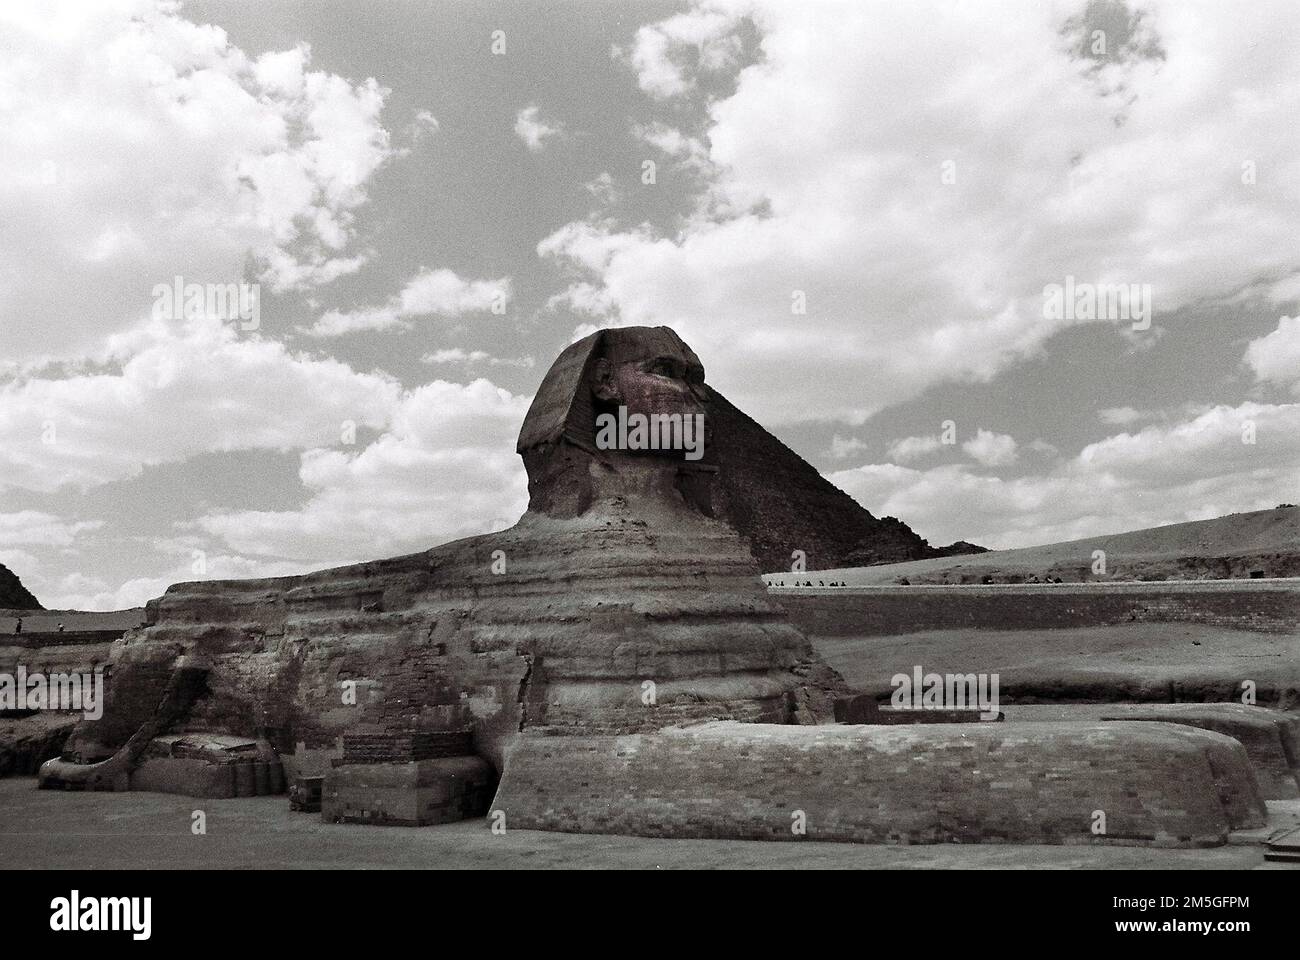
pixel 53 829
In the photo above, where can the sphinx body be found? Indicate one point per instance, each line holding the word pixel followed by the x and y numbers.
pixel 617 604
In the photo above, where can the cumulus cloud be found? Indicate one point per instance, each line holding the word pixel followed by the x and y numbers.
pixel 992 449
pixel 1275 358
pixel 80 591
pixel 20 563
pixel 1120 416
pixel 843 447
pixel 138 145
pixel 37 528
pixel 424 124
pixel 912 448
pixel 455 355
pixel 690 151
pixel 445 468
pixel 166 391
pixel 923 201
pixel 432 292
pixel 669 55
pixel 602 188
pixel 442 467
pixel 1128 481
pixel 530 128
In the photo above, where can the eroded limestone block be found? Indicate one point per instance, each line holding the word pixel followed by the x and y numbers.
pixel 1271 737
pixel 208 765
pixel 1142 783
pixel 27 742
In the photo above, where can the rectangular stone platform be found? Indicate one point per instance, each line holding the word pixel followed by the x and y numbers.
pixel 1114 782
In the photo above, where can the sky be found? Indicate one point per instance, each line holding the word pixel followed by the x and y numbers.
pixel 857 214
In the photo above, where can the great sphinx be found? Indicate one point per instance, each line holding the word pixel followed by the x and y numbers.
pixel 620 602
pixel 616 662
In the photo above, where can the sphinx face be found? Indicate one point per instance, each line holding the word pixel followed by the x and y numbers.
pixel 649 383
pixel 662 384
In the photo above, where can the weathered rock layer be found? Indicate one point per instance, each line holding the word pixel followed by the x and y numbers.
pixel 588 612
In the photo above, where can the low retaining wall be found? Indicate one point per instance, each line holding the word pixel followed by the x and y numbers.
pixel 1271 606
pixel 80 652
pixel 69 638
pixel 1155 784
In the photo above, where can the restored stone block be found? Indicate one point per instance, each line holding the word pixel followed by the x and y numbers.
pixel 414 793
pixel 1154 784
pixel 305 794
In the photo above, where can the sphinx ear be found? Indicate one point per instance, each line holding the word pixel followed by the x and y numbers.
pixel 602 381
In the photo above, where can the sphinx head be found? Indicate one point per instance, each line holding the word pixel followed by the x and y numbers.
pixel 642 376
pixel 647 374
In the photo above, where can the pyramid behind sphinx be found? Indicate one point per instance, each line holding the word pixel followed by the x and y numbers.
pixel 772 497
pixel 622 601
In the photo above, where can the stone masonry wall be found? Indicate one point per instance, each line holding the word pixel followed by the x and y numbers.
pixel 887 610
pixel 1157 784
